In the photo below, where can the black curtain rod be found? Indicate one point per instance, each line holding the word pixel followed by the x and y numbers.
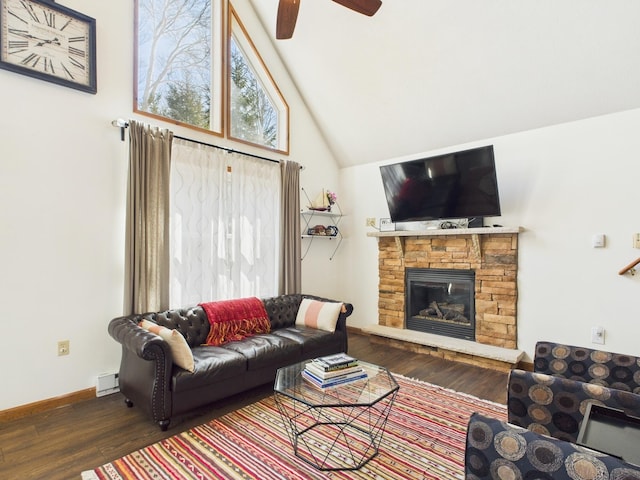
pixel 123 124
pixel 230 150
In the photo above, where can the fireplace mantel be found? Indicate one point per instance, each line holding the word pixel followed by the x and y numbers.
pixel 491 252
pixel 475 233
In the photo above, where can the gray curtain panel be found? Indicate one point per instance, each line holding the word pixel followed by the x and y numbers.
pixel 290 251
pixel 147 220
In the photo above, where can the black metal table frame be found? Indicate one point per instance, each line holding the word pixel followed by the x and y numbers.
pixel 336 435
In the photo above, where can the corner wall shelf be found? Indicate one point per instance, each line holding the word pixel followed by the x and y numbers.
pixel 332 217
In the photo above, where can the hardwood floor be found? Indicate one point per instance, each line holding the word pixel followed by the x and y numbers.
pixel 61 443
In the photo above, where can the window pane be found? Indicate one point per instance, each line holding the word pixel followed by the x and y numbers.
pixel 258 113
pixel 176 60
pixel 253 117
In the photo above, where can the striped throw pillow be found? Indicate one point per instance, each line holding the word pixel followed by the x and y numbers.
pixel 317 314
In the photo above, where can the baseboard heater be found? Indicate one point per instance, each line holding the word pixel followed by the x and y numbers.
pixel 107 384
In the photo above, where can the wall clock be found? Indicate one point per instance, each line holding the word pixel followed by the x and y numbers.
pixel 48 41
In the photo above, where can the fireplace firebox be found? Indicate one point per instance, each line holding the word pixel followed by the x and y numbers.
pixel 441 301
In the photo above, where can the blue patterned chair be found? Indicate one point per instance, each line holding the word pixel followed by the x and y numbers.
pixel 498 450
pixel 555 406
pixel 614 370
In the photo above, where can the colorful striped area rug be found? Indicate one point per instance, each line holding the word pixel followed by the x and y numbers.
pixel 424 439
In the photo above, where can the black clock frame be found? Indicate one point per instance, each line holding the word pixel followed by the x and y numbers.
pixel 91 22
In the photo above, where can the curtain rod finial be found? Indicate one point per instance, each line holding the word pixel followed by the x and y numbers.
pixel 122 124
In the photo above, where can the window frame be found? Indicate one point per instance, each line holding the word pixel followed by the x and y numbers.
pixel 225 16
pixel 217 66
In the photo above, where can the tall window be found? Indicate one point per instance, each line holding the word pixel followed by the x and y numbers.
pixel 257 112
pixel 182 59
pixel 224 225
pixel 179 61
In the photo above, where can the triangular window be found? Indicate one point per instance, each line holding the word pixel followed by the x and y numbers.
pixel 258 113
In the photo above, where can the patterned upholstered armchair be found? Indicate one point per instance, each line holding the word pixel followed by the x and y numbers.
pixel 552 399
pixel 555 406
pixel 498 450
pixel 614 370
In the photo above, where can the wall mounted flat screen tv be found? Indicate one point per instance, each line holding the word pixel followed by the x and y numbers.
pixel 458 185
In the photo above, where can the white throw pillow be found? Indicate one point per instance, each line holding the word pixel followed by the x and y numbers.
pixel 182 355
pixel 317 314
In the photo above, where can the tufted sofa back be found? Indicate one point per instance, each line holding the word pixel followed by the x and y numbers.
pixel 282 310
pixel 193 323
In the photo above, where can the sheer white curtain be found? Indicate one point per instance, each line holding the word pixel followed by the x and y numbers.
pixel 224 225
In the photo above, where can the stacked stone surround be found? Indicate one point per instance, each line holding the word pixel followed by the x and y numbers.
pixel 495 278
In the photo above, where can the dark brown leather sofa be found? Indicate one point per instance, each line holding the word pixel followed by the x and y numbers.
pixel 149 379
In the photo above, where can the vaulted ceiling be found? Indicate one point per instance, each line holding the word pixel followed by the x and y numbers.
pixel 426 74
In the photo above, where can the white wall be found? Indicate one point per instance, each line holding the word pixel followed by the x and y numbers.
pixel 562 184
pixel 62 195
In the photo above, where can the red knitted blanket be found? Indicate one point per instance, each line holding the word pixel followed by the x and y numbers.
pixel 235 319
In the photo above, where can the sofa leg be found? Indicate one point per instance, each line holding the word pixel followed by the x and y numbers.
pixel 128 402
pixel 164 424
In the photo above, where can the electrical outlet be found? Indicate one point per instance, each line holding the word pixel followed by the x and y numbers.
pixel 371 222
pixel 63 347
pixel 636 240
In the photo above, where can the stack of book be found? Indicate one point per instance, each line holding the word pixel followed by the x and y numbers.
pixel 333 370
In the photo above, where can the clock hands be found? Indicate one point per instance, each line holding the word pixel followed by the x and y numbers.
pixel 55 41
pixel 42 42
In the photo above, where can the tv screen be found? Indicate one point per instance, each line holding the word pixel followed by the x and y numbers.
pixel 452 186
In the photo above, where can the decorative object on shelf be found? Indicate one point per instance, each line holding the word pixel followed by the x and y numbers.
pixel 323 202
pixel 332 198
pixel 323 231
pixel 50 42
pixel 317 230
pixel 331 230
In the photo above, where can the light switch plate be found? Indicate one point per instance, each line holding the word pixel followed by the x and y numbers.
pixel 598 240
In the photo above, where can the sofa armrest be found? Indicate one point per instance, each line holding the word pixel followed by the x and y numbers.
pixel 495 449
pixel 610 369
pixel 125 330
pixel 555 406
pixel 145 368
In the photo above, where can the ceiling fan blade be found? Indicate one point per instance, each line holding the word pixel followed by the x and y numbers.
pixel 366 7
pixel 287 16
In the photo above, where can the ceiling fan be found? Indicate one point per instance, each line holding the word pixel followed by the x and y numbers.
pixel 288 13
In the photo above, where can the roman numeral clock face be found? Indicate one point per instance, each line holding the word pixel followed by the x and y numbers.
pixel 48 41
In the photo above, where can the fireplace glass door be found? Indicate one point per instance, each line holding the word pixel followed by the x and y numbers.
pixel 441 301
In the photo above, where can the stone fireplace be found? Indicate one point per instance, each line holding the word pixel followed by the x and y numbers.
pixel 490 254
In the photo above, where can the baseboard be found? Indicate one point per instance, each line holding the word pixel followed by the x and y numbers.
pixel 44 405
pixel 526 366
pixel 355 330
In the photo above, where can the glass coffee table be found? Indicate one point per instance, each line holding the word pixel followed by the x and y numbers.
pixel 339 428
